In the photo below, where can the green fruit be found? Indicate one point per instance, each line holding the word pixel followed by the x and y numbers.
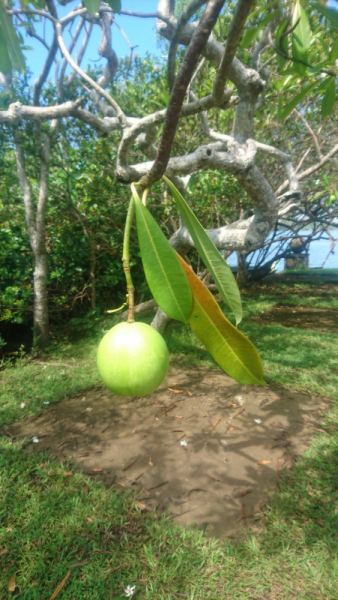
pixel 132 359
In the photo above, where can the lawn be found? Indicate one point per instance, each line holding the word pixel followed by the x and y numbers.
pixel 65 535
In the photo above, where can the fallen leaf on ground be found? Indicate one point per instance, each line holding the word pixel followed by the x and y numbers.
pixel 12 583
pixel 175 391
pixel 263 462
pixel 239 412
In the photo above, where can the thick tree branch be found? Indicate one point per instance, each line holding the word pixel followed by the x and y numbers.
pixel 17 112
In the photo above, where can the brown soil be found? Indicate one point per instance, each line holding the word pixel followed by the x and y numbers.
pixel 318 319
pixel 239 438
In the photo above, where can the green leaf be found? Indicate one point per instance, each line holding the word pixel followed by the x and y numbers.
pixel 329 99
pixel 224 279
pixel 248 36
pixel 5 61
pixel 334 51
pixel 329 13
pixel 232 350
pixel 92 6
pixel 115 5
pixel 10 41
pixel 289 107
pixel 251 33
pixel 301 36
pixel 281 43
pixel 262 8
pixel 165 276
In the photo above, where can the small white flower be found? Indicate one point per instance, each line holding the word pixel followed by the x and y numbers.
pixel 183 442
pixel 46 403
pixel 129 591
pixel 49 377
pixel 22 405
pixel 62 373
pixel 44 367
pixel 258 421
pixel 88 409
pixel 35 439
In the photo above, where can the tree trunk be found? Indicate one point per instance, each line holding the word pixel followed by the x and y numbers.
pixel 242 271
pixel 35 221
pixel 41 318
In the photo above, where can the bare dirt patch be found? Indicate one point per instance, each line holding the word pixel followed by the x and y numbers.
pixel 203 447
pixel 317 319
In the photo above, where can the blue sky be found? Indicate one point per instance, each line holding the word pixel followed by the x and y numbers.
pixel 140 32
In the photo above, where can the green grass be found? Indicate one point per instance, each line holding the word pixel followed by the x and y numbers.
pixel 52 523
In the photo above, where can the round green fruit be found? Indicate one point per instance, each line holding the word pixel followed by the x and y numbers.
pixel 132 359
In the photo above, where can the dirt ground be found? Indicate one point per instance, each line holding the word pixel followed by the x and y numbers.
pixel 202 447
pixel 317 319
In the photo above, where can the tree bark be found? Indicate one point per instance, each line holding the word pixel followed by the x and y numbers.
pixel 242 271
pixel 36 223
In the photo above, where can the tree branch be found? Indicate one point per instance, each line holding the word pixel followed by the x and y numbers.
pixel 16 112
pixel 180 24
pixel 119 113
pixel 182 80
pixel 234 35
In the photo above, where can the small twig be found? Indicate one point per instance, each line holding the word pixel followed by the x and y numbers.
pixel 59 588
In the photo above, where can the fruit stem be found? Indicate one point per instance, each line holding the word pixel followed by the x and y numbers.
pixel 126 261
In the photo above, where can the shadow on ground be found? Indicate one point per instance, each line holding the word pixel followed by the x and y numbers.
pixel 202 446
pixel 316 319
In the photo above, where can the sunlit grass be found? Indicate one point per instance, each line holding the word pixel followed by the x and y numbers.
pixel 55 521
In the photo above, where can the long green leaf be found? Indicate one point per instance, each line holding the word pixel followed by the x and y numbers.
pixel 92 6
pixel 334 51
pixel 301 36
pixel 224 279
pixel 5 61
pixel 10 40
pixel 329 99
pixel 289 107
pixel 251 33
pixel 232 350
pixel 164 274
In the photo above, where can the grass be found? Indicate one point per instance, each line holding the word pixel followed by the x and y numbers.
pixel 55 521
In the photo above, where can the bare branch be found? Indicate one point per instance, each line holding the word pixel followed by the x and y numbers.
pixel 17 112
pixel 182 80
pixel 92 83
pixel 235 32
pixel 311 132
pixel 312 169
pixel 75 37
pixel 181 23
